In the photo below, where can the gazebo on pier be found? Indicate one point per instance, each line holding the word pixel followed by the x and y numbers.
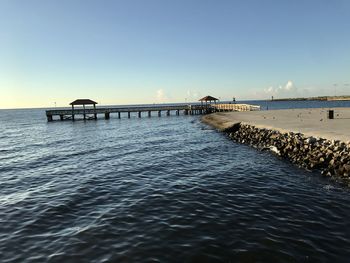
pixel 208 98
pixel 83 102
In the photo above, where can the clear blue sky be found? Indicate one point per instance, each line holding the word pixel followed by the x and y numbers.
pixel 145 51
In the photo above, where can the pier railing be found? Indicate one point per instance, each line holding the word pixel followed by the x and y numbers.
pixel 100 110
pixel 235 107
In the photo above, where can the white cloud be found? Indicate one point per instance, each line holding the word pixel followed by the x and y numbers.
pixel 193 95
pixel 288 90
pixel 269 90
pixel 161 97
pixel 289 85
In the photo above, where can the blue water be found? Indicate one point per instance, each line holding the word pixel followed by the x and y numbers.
pixel 166 189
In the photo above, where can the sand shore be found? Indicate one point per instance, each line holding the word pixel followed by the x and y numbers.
pixel 310 122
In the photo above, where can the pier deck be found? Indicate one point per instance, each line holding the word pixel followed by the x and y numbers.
pixel 92 113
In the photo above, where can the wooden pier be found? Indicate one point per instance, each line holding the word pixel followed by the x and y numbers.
pixel 92 112
pixel 147 111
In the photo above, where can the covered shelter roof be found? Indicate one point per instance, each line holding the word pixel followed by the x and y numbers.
pixel 208 98
pixel 83 102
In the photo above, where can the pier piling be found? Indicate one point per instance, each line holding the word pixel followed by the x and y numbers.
pixel 84 112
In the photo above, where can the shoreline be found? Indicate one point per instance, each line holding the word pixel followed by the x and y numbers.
pixel 305 137
pixel 319 98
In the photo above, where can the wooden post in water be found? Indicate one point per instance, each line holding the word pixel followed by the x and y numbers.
pixel 129 114
pixel 49 118
pixel 118 115
pixel 168 113
pixel 177 112
pixel 159 113
pixel 139 114
pixel 72 112
pixel 149 113
pixel 84 112
pixel 95 114
pixel 107 115
pixel 61 117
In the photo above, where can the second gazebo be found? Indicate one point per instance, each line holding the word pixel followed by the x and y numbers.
pixel 209 99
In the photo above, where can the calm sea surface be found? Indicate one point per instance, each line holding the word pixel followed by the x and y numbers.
pixel 166 189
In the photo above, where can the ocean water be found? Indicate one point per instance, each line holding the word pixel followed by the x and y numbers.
pixel 167 189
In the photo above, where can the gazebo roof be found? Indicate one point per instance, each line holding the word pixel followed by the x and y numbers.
pixel 82 102
pixel 208 98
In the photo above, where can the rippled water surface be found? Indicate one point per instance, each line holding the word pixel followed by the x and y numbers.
pixel 166 189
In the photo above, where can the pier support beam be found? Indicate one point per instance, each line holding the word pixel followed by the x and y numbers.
pixel 129 114
pixel 49 118
pixel 118 115
pixel 61 117
pixel 139 114
pixel 186 112
pixel 177 112
pixel 159 113
pixel 107 115
pixel 149 113
pixel 168 113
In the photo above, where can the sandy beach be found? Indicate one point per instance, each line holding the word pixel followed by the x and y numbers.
pixel 310 122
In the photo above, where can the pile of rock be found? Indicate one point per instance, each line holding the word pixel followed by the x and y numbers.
pixel 332 158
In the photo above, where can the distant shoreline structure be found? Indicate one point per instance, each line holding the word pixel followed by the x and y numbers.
pixel 320 98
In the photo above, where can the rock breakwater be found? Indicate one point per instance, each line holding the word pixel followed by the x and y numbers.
pixel 330 157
